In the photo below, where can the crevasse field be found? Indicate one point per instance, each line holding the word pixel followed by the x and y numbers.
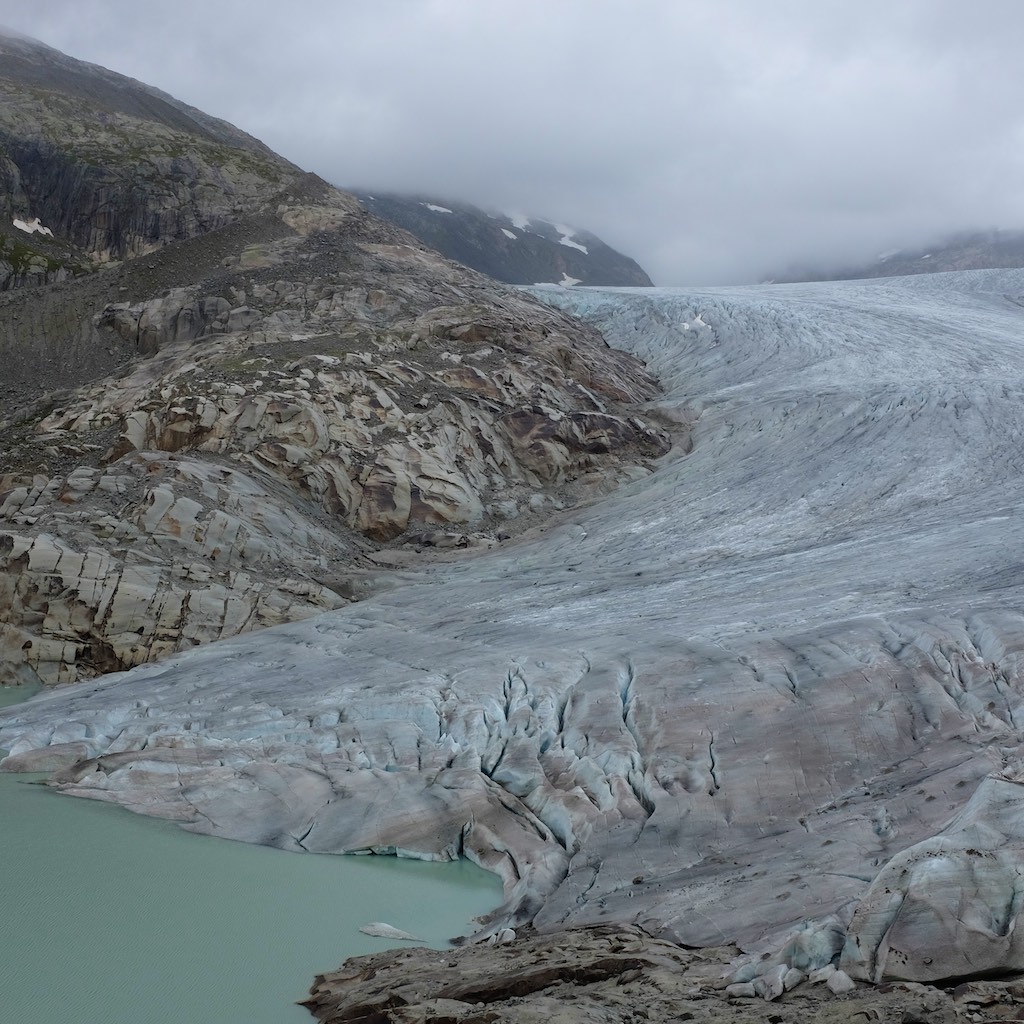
pixel 769 694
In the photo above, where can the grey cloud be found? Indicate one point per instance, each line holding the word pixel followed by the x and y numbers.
pixel 711 141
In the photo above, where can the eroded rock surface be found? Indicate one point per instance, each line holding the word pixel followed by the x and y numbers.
pixel 112 566
pixel 617 975
pixel 281 415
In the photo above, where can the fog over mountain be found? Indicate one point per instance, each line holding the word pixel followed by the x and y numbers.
pixel 508 247
pixel 971 250
pixel 713 143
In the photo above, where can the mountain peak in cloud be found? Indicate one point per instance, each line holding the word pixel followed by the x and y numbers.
pixel 509 247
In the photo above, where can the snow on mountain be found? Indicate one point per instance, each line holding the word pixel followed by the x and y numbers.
pixel 30 227
pixel 566 238
pixel 508 246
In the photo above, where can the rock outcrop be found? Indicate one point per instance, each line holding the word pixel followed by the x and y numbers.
pixel 619 975
pixel 108 567
pixel 115 167
pixel 288 382
pixel 508 247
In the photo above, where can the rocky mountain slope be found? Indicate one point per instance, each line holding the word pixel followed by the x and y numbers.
pixel 247 385
pixel 977 250
pixel 115 167
pixel 508 247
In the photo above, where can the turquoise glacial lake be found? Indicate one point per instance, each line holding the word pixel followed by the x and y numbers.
pixel 107 916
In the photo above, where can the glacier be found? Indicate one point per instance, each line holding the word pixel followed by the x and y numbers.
pixel 770 694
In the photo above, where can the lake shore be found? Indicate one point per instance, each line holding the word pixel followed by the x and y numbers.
pixel 127 919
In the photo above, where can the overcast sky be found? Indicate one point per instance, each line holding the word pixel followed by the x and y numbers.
pixel 712 140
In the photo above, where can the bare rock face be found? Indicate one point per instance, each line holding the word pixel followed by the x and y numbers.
pixel 114 167
pixel 217 433
pixel 617 975
pixel 109 567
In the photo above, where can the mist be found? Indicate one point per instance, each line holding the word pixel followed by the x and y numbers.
pixel 714 143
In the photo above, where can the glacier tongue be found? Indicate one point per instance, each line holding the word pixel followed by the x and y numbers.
pixel 718 703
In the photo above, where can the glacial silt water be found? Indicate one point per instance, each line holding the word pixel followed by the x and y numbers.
pixel 109 916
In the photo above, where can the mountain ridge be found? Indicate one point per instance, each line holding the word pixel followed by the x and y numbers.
pixel 508 247
pixel 115 168
pixel 966 250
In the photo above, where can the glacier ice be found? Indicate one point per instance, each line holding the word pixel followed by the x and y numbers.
pixel 719 703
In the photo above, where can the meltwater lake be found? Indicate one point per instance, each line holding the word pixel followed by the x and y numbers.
pixel 109 916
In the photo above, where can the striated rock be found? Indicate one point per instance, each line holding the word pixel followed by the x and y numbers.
pixel 387 986
pixel 594 974
pixel 380 444
pixel 306 384
pixel 108 568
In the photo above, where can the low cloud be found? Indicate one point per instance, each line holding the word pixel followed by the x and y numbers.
pixel 712 142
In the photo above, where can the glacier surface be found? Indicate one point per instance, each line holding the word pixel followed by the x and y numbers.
pixel 770 694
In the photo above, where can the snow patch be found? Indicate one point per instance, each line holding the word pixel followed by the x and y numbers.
pixel 32 226
pixel 566 282
pixel 566 239
pixel 927 256
pixel 509 234
pixel 882 257
pixel 435 208
pixel 518 221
